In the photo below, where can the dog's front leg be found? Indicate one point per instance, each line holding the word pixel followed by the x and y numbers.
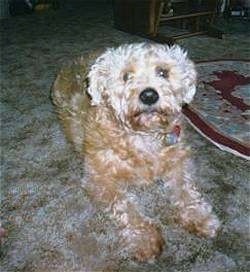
pixel 193 212
pixel 139 235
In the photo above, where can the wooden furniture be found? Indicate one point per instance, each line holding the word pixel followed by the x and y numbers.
pixel 136 16
pixel 147 18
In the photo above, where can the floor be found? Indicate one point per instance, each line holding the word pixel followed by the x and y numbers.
pixel 51 223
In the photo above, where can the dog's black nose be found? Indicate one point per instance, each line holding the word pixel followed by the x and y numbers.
pixel 149 96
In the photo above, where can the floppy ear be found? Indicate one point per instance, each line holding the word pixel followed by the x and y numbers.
pixel 98 77
pixel 188 72
pixel 189 81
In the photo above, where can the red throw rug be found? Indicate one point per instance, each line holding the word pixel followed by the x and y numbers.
pixel 221 107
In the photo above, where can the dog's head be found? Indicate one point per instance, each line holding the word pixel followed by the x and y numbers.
pixel 144 84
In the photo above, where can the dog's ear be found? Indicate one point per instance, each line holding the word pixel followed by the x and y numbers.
pixel 187 70
pixel 97 78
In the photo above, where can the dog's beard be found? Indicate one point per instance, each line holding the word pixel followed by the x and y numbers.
pixel 148 119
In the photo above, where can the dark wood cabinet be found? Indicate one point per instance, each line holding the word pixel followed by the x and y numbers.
pixel 146 17
pixel 136 16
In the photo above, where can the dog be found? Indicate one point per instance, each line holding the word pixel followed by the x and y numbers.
pixel 122 112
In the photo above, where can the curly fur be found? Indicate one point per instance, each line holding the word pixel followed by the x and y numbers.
pixel 124 141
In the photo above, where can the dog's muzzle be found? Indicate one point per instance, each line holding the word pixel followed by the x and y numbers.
pixel 149 96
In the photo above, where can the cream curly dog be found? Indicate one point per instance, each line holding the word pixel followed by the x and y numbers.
pixel 128 126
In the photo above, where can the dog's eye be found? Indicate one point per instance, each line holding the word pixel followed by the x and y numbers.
pixel 161 72
pixel 127 76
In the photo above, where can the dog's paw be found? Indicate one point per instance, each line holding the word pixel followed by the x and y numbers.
pixel 147 243
pixel 208 227
pixel 202 225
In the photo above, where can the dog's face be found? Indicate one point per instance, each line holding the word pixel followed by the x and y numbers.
pixel 144 84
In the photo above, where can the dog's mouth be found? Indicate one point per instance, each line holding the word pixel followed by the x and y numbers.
pixel 149 112
pixel 149 119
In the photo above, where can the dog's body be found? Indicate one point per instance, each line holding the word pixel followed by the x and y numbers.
pixel 131 131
